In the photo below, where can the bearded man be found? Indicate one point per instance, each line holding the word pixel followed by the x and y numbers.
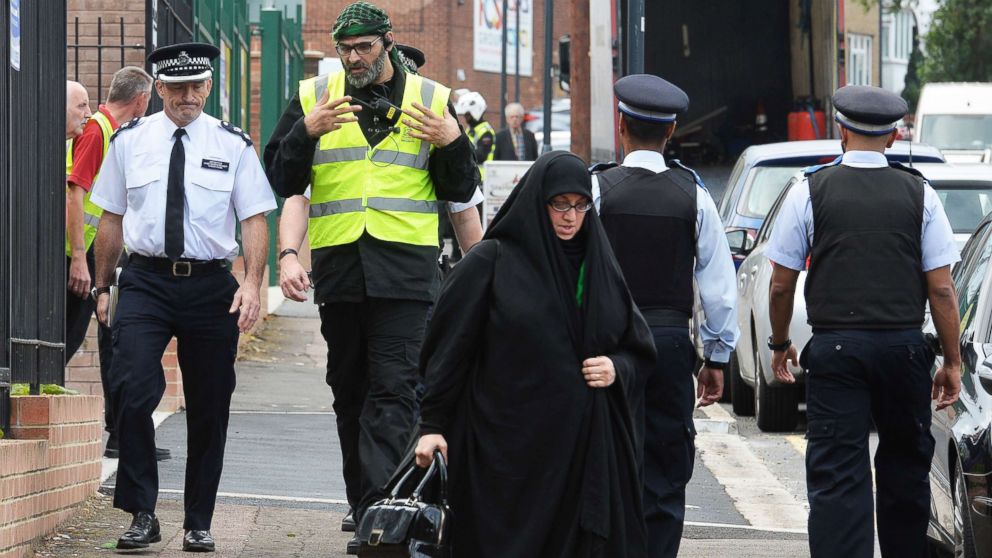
pixel 381 148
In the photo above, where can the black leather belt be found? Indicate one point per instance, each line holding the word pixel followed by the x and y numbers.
pixel 665 318
pixel 178 268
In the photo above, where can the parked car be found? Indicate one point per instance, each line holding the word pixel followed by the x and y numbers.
pixel 561 124
pixel 966 191
pixel 957 119
pixel 763 170
pixel 961 491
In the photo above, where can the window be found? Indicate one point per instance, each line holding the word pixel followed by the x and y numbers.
pixel 763 187
pixel 858 59
pixel 897 36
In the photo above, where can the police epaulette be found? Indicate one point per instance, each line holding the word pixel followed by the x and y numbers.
pixel 236 131
pixel 899 166
pixel 810 170
pixel 133 123
pixel 678 164
pixel 600 167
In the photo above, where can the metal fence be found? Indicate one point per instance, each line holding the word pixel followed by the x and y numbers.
pixel 32 195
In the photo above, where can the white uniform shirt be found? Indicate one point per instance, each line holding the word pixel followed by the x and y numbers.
pixel 714 272
pixel 224 181
pixel 792 235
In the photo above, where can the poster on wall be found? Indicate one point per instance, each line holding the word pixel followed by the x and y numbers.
pixel 15 34
pixel 488 21
pixel 225 80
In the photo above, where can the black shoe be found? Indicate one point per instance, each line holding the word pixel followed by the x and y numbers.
pixel 353 546
pixel 348 523
pixel 112 451
pixel 144 530
pixel 198 541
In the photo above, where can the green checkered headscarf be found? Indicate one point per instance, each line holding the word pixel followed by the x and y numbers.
pixel 361 18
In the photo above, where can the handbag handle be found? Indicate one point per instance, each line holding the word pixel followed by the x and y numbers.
pixel 437 465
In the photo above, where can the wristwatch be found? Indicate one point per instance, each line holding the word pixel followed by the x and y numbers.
pixel 778 347
pixel 714 365
pixel 97 291
pixel 287 252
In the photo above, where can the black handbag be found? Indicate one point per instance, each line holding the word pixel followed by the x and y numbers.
pixel 409 527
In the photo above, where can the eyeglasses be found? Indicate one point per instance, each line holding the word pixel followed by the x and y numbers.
pixel 563 207
pixel 360 48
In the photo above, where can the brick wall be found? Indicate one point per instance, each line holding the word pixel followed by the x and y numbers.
pixel 51 465
pixel 444 31
pixel 83 64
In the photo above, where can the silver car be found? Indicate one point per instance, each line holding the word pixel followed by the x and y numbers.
pixel 965 191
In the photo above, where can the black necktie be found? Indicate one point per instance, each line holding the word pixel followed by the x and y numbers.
pixel 175 199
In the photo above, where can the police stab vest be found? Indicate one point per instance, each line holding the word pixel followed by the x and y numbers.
pixel 650 219
pixel 384 189
pixel 866 269
pixel 91 211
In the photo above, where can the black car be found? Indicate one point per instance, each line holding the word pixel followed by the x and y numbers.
pixel 961 471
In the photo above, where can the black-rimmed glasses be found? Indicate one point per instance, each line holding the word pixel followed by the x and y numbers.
pixel 360 48
pixel 563 207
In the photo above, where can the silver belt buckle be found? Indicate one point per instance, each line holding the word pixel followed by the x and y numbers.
pixel 179 271
pixel 376 537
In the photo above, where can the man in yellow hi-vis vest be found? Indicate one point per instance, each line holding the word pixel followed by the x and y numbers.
pixel 130 89
pixel 381 147
pixel 472 107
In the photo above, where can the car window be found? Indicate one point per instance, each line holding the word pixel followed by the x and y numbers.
pixel 766 228
pixel 728 194
pixel 763 186
pixel 965 207
pixel 957 131
pixel 970 276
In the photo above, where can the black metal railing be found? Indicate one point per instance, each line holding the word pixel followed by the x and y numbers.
pixel 101 46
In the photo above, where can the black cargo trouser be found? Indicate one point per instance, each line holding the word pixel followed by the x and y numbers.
pixel 669 448
pixel 855 377
pixel 373 348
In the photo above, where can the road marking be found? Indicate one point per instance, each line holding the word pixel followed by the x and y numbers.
pixel 744 527
pixel 757 494
pixel 797 441
pixel 717 421
pixel 265 497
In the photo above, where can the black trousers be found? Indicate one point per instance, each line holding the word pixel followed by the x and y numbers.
pixel 78 312
pixel 373 349
pixel 669 449
pixel 154 307
pixel 856 377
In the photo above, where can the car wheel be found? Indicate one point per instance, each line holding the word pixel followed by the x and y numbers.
pixel 741 394
pixel 775 408
pixel 964 538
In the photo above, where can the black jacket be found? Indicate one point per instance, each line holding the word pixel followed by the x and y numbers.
pixel 504 146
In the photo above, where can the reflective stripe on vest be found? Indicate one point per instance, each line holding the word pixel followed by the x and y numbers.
pixel 477 131
pixel 385 190
pixel 91 211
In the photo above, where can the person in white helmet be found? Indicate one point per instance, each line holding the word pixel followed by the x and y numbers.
pixel 472 107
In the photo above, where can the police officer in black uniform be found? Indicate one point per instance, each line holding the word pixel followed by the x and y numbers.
pixel 173 186
pixel 880 247
pixel 666 232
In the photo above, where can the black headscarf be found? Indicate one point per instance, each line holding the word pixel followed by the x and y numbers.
pixel 524 231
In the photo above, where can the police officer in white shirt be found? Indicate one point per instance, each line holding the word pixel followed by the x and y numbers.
pixel 882 249
pixel 173 186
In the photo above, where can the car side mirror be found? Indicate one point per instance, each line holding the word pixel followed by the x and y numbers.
pixel 740 243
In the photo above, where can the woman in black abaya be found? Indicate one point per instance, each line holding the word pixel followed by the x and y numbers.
pixel 534 365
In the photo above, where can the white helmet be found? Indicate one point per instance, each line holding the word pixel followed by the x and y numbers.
pixel 471 103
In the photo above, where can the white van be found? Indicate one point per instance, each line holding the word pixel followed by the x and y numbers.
pixel 957 119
